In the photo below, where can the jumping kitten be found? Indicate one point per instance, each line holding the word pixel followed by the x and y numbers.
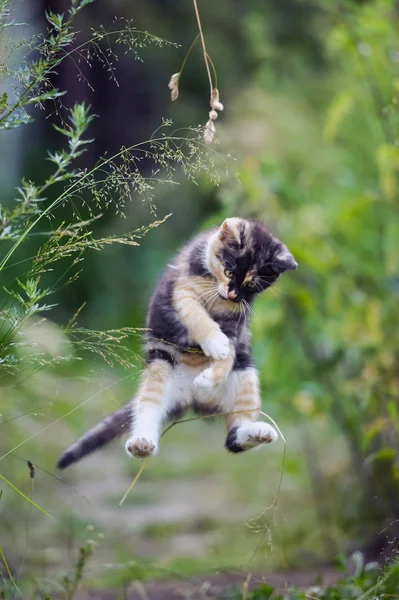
pixel 198 343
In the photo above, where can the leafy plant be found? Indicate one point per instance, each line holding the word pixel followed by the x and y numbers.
pixel 37 243
pixel 368 581
pixel 330 187
pixel 110 184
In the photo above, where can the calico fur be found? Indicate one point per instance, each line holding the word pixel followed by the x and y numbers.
pixel 197 345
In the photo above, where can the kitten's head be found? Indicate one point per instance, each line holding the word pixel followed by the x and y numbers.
pixel 246 258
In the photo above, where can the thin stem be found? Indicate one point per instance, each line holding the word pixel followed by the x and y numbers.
pixel 41 74
pixel 20 211
pixel 54 423
pixel 204 49
pixel 46 70
pixel 213 69
pixel 188 54
pixel 211 416
pixel 75 185
pixel 9 571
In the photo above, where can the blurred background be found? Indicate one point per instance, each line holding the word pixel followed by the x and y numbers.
pixel 310 90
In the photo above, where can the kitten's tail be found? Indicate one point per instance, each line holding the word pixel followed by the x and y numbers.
pixel 104 432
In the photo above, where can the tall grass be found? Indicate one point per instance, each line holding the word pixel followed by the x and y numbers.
pixel 108 185
pixel 29 341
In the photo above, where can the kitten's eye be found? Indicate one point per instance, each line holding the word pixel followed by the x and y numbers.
pixel 228 273
pixel 250 284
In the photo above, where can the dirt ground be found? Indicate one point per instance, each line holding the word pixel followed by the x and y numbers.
pixel 213 587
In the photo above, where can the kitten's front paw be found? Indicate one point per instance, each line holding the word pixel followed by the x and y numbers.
pixel 140 447
pixel 217 346
pixel 205 380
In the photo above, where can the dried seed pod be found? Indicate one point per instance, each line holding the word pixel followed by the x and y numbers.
pixel 173 85
pixel 215 101
pixel 209 132
pixel 31 469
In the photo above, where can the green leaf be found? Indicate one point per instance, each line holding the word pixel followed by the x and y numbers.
pixel 383 454
pixel 55 19
pixel 263 592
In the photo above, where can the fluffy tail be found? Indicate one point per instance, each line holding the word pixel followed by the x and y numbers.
pixel 104 432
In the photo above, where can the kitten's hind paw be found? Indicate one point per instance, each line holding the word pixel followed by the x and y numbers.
pixel 262 436
pixel 247 436
pixel 140 447
pixel 205 380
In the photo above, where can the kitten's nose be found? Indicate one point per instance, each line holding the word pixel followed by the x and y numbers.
pixel 232 294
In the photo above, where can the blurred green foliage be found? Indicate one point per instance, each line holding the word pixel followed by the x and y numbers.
pixel 311 91
pixel 327 182
pixel 367 581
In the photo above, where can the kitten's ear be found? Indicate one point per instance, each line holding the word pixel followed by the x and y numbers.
pixel 284 261
pixel 228 231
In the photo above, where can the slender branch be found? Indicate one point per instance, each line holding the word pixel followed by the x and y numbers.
pixel 214 70
pixel 204 49
pixel 188 53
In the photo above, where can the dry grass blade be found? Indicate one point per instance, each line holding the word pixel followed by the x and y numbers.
pixel 24 496
pixel 245 586
pixel 200 418
pixel 264 529
pixel 63 417
pixel 125 495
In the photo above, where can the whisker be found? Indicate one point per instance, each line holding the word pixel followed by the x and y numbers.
pixel 242 313
pixel 245 317
pixel 211 294
pixel 206 272
pixel 251 310
pixel 232 314
pixel 230 263
pixel 209 285
pixel 211 299
pixel 273 285
pixel 239 320
pixel 211 291
pixel 272 289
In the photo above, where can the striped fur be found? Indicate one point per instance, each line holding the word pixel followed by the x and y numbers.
pixel 104 432
pixel 198 343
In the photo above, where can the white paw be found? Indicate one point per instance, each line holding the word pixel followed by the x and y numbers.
pixel 205 379
pixel 140 447
pixel 250 436
pixel 217 346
